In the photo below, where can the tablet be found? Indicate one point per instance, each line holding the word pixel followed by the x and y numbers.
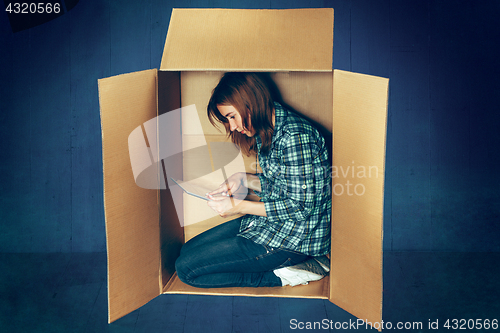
pixel 192 189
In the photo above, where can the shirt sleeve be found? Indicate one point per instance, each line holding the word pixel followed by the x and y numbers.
pixel 290 193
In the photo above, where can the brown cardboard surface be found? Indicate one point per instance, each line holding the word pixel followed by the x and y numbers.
pixel 131 212
pixel 217 145
pixel 196 89
pixel 360 112
pixel 309 93
pixel 316 289
pixel 249 40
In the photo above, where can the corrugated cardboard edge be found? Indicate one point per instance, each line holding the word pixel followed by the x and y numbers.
pixel 158 194
pixel 104 200
pixel 383 211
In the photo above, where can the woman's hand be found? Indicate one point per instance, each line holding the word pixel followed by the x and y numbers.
pixel 234 185
pixel 225 206
pixel 228 199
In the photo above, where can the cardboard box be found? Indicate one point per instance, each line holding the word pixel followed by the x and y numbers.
pixel 144 232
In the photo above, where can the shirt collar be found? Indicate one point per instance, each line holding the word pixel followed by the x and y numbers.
pixel 280 114
pixel 279 120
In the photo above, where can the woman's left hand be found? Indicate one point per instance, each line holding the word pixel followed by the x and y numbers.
pixel 225 206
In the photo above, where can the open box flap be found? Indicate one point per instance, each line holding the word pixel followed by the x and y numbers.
pixel 359 116
pixel 249 40
pixel 131 212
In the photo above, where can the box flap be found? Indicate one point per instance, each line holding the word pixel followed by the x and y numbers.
pixel 359 116
pixel 249 40
pixel 131 212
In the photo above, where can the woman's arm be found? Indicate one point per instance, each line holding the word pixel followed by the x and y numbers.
pixel 230 203
pixel 253 182
pixel 228 206
pixel 251 207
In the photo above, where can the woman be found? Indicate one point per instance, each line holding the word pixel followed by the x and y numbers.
pixel 283 238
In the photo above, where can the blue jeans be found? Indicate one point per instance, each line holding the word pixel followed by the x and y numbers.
pixel 219 258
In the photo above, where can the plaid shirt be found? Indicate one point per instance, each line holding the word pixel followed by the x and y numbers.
pixel 295 189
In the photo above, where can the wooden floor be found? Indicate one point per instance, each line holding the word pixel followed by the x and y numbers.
pixel 67 293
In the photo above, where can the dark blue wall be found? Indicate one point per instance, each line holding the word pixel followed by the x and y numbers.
pixel 442 179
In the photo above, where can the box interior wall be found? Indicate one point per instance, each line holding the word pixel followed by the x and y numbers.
pixel 308 93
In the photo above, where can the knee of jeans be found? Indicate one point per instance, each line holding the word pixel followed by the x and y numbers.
pixel 183 269
pixel 184 248
pixel 180 268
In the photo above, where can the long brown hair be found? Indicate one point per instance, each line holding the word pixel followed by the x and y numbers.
pixel 249 94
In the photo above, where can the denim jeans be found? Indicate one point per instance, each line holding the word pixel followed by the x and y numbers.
pixel 219 258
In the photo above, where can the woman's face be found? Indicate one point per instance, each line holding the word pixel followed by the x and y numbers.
pixel 235 120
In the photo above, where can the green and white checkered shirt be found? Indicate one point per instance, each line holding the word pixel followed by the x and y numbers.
pixel 296 189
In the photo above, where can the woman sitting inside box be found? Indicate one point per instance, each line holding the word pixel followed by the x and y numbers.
pixel 283 238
